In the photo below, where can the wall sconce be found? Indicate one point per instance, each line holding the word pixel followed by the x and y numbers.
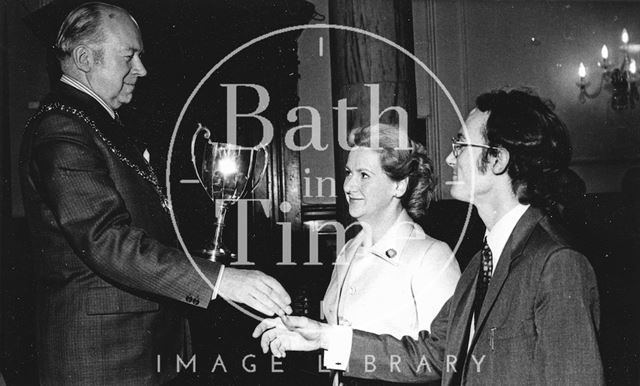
pixel 621 80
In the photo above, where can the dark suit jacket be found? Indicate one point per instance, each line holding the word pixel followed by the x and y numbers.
pixel 538 324
pixel 100 236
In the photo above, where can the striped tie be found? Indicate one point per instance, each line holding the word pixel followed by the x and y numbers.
pixel 484 277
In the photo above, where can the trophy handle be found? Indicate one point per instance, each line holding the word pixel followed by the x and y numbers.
pixel 264 168
pixel 207 135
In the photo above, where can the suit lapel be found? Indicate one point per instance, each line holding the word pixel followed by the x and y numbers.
pixel 462 306
pixel 109 131
pixel 74 97
pixel 510 253
pixel 109 127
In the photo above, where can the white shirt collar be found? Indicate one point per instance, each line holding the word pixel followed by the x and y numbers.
pixel 81 87
pixel 498 236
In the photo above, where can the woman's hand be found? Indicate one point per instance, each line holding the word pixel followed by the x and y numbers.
pixel 290 333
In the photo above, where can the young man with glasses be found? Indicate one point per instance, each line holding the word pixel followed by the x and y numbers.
pixel 526 309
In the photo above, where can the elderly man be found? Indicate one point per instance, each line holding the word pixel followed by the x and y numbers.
pixel 109 284
pixel 526 309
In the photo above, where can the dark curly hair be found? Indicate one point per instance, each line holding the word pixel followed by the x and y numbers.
pixel 399 161
pixel 536 139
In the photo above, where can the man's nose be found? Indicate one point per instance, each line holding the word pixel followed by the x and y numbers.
pixel 451 160
pixel 138 68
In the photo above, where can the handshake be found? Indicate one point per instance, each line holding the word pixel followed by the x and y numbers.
pixel 291 333
pixel 266 295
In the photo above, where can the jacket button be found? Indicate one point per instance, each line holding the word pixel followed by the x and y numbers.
pixel 189 298
pixel 196 301
pixel 391 253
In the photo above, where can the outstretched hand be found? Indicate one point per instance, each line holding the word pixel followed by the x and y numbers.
pixel 255 289
pixel 290 333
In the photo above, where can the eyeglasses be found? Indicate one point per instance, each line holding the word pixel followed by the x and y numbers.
pixel 456 146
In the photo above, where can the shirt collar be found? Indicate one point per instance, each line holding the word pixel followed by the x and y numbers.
pixel 391 244
pixel 81 87
pixel 498 236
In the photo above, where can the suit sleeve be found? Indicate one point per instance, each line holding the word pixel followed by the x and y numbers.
pixel 408 360
pixel 567 319
pixel 71 175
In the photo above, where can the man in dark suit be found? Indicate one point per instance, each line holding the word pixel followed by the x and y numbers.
pixel 109 282
pixel 526 309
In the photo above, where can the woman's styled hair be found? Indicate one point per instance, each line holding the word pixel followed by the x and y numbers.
pixel 400 158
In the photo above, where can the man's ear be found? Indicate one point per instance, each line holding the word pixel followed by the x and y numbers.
pixel 83 58
pixel 500 161
pixel 401 187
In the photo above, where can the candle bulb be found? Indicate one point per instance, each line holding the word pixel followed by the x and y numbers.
pixel 582 72
pixel 605 53
pixel 632 66
pixel 625 36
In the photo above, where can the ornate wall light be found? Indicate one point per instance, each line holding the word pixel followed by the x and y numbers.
pixel 620 80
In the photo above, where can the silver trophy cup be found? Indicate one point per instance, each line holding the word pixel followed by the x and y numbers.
pixel 226 173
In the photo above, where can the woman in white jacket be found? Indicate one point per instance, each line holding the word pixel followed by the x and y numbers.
pixel 391 278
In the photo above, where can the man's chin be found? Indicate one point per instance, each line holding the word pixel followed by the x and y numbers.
pixel 125 99
pixel 456 194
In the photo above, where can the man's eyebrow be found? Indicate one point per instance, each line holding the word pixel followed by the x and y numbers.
pixel 132 49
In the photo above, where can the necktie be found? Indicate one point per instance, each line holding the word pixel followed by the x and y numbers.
pixel 484 277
